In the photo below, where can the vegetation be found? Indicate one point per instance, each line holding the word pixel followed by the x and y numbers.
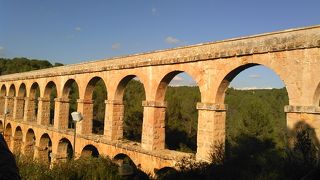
pixel 16 65
pixel 254 158
pixel 83 168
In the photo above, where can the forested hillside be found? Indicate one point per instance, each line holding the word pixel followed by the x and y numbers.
pixel 21 64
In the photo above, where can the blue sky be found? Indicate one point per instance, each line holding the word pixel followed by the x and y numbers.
pixel 73 31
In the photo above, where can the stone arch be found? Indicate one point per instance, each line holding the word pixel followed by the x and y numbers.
pixel 122 158
pixel 64 151
pixel 32 103
pixel 17 143
pixel 70 95
pixel 180 136
pixel 8 134
pixel 48 104
pixel 230 75
pixel 3 93
pixel 163 171
pixel 12 91
pixel 19 108
pixel 45 149
pixel 217 111
pixel 122 85
pixel 94 117
pixel 128 131
pixel 30 141
pixel 10 100
pixel 89 151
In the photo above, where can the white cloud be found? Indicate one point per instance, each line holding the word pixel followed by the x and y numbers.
pixel 177 78
pixel 252 88
pixel 115 46
pixel 255 76
pixel 1 48
pixel 172 40
pixel 77 29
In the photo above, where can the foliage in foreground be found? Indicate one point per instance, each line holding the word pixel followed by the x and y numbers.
pixel 83 168
pixel 256 158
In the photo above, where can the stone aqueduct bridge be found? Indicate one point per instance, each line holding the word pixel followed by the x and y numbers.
pixel 294 55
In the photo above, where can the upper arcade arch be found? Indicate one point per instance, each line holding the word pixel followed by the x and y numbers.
pixel 47 104
pixel 95 94
pixel 19 104
pixel 10 100
pixel 31 103
pixel 67 104
pixel 163 83
pixel 231 70
pixel 3 93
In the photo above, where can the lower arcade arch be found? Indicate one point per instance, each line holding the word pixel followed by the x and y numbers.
pixel 30 143
pixel 17 143
pixel 89 151
pixel 8 134
pixel 122 158
pixel 45 149
pixel 64 151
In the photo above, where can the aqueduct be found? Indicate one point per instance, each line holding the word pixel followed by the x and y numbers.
pixel 294 55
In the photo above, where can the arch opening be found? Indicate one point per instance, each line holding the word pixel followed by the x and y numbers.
pixel 17 144
pixel 65 150
pixel 131 92
pixel 10 101
pixel 8 134
pixel 71 93
pixel 182 94
pixel 48 100
pixel 89 151
pixel 30 143
pixel 45 149
pixel 122 158
pixel 2 99
pixel 20 102
pixel 33 102
pixel 95 96
pixel 255 121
